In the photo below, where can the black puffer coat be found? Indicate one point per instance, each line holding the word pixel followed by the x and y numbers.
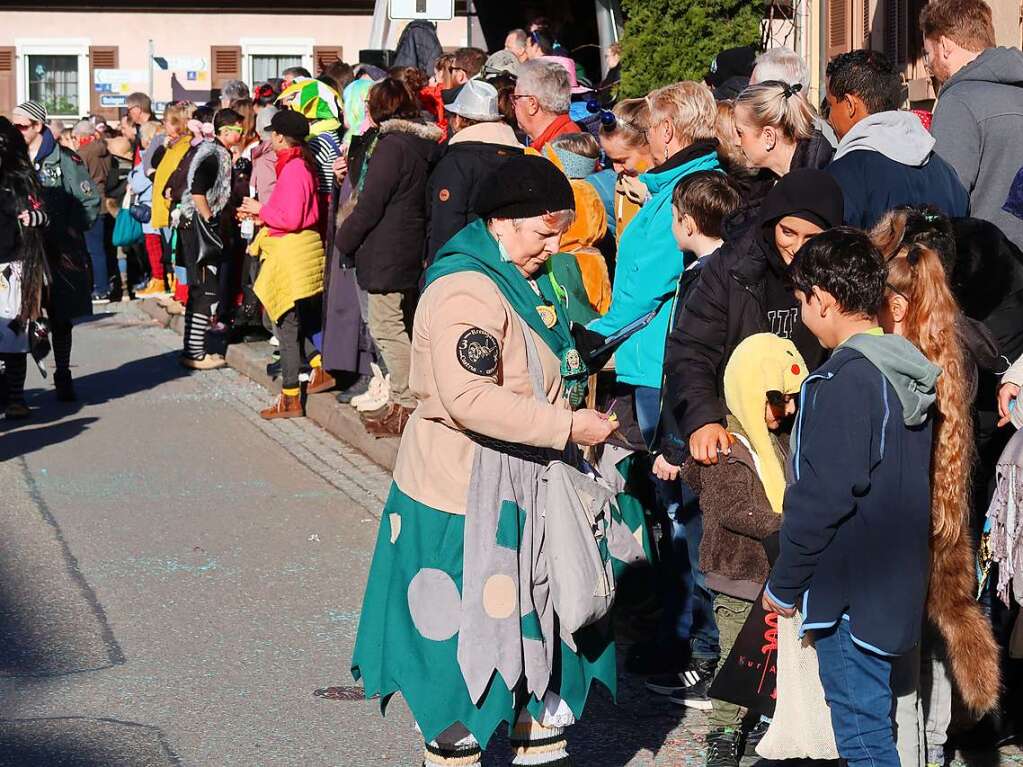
pixel 472 155
pixel 728 303
pixel 386 233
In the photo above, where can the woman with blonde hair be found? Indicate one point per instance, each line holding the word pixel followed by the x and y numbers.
pixel 921 307
pixel 680 131
pixel 775 127
pixel 623 140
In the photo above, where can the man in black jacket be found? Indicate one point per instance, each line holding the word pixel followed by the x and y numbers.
pixel 743 290
pixel 481 142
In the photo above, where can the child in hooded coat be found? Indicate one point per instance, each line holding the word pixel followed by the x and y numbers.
pixel 741 498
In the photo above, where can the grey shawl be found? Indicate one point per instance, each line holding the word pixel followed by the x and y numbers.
pixel 1005 519
pixel 219 195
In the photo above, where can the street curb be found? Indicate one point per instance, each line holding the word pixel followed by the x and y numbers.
pixel 249 359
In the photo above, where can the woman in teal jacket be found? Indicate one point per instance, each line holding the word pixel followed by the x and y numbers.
pixel 681 136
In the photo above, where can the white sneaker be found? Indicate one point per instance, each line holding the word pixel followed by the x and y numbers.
pixel 383 396
pixel 372 391
pixel 273 341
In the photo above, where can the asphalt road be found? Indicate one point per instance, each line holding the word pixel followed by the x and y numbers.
pixel 178 578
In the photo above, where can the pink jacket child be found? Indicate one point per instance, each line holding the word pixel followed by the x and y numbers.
pixel 294 204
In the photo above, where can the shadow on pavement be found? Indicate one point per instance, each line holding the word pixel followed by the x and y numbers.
pixel 81 742
pixel 33 436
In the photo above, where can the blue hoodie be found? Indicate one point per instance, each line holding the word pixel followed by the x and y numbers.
pixel 649 265
pixel 855 532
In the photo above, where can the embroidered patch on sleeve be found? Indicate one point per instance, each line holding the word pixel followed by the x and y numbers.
pixel 444 195
pixel 478 352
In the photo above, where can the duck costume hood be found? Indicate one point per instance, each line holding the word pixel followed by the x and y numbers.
pixel 762 364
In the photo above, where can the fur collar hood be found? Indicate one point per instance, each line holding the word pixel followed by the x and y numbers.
pixel 426 131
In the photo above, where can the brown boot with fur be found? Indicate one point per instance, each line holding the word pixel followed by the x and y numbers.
pixel 390 422
pixel 285 406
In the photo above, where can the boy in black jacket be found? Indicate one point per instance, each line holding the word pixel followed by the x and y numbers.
pixel 855 526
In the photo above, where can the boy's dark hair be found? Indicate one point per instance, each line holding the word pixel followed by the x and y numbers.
pixel 869 75
pixel 226 116
pixel 296 72
pixel 710 198
pixel 844 262
pixel 470 61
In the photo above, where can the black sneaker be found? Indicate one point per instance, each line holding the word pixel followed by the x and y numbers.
pixel 671 684
pixel 753 737
pixel 695 694
pixel 723 748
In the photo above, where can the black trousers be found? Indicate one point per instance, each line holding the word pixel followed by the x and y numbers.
pixel 295 330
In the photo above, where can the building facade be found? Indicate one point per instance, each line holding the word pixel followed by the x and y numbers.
pixel 78 60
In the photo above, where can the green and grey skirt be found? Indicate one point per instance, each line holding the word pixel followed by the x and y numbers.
pixel 403 646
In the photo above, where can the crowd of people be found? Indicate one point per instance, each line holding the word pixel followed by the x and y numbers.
pixel 755 350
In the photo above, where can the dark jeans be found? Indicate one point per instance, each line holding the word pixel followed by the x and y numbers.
pixel 295 330
pixel 689 605
pixel 857 688
pixel 95 243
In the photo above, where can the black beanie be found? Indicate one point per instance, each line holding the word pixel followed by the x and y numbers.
pixel 524 186
pixel 290 123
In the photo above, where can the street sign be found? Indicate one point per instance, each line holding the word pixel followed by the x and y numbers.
pixel 118 80
pixel 181 63
pixel 431 10
pixel 113 101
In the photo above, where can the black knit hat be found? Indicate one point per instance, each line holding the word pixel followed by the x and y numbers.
pixel 524 186
pixel 291 124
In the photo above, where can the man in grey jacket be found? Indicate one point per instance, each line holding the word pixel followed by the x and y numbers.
pixel 978 122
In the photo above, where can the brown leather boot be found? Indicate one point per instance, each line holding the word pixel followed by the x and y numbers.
pixel 319 381
pixel 391 422
pixel 285 406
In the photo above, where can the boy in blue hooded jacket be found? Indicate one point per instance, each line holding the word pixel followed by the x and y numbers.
pixel 855 528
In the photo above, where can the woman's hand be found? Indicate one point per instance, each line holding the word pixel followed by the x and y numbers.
pixel 635 190
pixel 1007 392
pixel 340 169
pixel 707 441
pixel 250 207
pixel 667 471
pixel 591 427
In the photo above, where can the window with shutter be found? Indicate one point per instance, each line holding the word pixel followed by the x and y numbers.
pixel 8 82
pixel 101 57
pixel 840 27
pixel 325 55
pixel 895 30
pixel 225 64
pixel 865 11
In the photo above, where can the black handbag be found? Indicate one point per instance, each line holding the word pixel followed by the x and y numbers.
pixel 141 212
pixel 211 245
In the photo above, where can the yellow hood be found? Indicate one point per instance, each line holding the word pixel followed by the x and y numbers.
pixel 760 364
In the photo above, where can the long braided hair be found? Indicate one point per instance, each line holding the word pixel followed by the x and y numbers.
pixel 18 180
pixel 933 324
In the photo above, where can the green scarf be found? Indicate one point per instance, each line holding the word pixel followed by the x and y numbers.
pixel 474 249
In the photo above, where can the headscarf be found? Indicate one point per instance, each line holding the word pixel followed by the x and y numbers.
pixel 355 97
pixel 763 363
pixel 805 193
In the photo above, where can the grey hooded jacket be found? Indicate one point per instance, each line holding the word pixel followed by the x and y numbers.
pixel 978 127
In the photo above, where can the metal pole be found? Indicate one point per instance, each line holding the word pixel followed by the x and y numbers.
pixel 607 30
pixel 152 53
pixel 381 26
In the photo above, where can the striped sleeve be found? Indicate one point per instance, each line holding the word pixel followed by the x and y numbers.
pixel 325 153
pixel 37 217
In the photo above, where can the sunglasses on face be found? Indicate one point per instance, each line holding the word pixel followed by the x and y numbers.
pixel 22 127
pixel 234 128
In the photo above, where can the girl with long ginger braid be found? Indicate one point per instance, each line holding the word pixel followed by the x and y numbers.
pixel 920 307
